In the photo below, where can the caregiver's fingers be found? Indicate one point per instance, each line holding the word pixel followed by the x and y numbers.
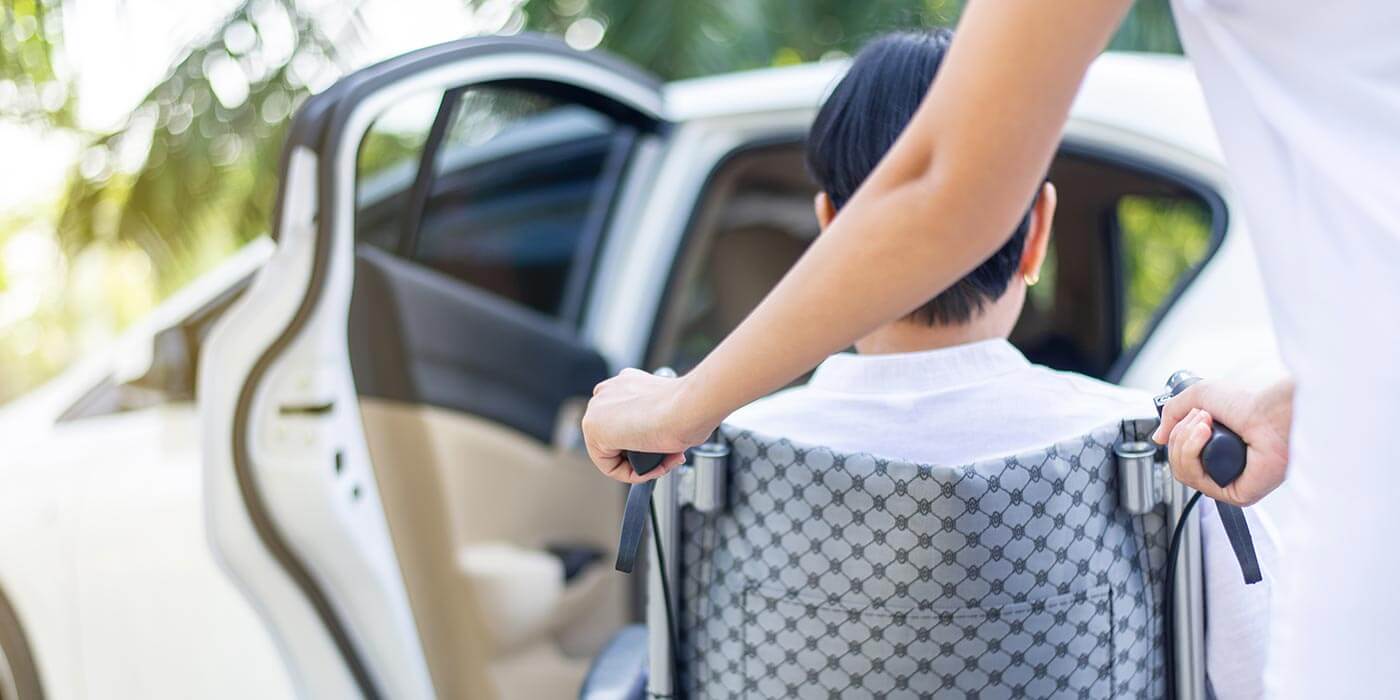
pixel 1175 410
pixel 1188 437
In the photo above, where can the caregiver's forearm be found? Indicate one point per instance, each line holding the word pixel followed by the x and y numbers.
pixel 944 199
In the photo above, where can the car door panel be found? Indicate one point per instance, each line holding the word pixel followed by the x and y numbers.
pixel 296 507
pixel 420 337
pixel 459 394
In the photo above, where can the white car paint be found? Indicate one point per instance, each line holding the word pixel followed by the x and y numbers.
pixel 103 546
pixel 102 543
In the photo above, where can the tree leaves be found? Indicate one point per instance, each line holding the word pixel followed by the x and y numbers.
pixel 192 172
pixel 682 39
pixel 31 89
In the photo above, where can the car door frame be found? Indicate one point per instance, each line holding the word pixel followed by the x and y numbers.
pixel 278 399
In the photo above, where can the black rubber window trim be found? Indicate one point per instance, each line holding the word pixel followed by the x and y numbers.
pixel 608 186
pixel 422 188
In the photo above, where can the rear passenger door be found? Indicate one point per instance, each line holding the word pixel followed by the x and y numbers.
pixel 438 219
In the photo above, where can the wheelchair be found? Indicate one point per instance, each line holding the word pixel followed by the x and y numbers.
pixel 783 570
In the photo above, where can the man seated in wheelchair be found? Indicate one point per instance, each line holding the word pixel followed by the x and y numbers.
pixel 942 386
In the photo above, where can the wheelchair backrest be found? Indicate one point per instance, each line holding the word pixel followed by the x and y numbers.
pixel 825 574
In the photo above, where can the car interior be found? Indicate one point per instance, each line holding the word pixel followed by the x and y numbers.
pixel 479 214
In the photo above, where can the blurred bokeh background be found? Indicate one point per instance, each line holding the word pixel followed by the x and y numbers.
pixel 139 138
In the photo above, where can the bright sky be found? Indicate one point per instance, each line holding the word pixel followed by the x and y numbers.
pixel 119 49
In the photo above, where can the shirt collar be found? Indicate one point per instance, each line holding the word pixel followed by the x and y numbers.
pixel 928 370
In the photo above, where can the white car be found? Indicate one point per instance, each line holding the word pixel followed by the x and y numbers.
pixel 346 463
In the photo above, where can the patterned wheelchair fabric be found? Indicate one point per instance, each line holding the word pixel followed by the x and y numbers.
pixel 835 575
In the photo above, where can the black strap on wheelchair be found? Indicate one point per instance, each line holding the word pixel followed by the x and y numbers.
pixel 1237 531
pixel 634 526
pixel 634 514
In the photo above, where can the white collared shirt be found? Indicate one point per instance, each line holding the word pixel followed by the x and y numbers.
pixel 977 401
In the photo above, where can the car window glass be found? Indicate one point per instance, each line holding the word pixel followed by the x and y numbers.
pixel 387 162
pixel 1126 237
pixel 1163 239
pixel 519 174
pixel 521 182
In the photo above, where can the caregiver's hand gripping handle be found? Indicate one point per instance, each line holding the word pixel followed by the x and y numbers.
pixel 643 462
pixel 638 425
pixel 634 514
pixel 1213 428
pixel 1223 454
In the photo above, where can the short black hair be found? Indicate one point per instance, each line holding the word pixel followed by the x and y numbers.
pixel 859 122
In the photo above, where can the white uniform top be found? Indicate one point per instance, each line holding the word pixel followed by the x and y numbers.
pixel 981 400
pixel 1305 97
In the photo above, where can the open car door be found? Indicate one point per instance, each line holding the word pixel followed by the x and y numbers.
pixel 385 412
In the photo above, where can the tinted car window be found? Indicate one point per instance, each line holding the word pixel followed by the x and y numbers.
pixel 521 183
pixel 1163 238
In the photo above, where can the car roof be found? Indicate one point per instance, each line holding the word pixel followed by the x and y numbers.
pixel 1154 95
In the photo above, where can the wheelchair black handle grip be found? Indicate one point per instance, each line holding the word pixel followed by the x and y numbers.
pixel 643 462
pixel 1224 453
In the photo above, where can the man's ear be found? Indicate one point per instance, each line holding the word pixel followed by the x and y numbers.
pixel 1038 234
pixel 825 211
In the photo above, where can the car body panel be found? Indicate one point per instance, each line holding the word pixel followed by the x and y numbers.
pixel 106 559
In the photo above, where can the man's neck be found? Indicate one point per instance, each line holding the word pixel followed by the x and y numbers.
pixel 905 336
pixel 995 321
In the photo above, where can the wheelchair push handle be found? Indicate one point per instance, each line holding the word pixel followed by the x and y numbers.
pixel 643 462
pixel 1224 453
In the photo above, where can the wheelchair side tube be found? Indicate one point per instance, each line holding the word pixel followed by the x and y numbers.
pixel 660 679
pixel 1188 605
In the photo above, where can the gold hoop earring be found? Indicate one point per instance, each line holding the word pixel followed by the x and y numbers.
pixel 1031 279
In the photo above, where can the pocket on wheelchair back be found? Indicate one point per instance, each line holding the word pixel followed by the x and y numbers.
pixel 828 574
pixel 1062 644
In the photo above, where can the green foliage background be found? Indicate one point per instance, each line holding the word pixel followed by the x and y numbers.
pixel 191 174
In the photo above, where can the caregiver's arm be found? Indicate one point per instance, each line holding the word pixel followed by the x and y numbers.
pixel 942 200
